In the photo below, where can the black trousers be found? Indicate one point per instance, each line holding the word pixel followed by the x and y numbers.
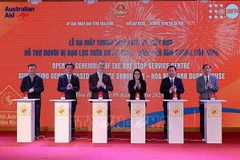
pixel 73 109
pixel 109 119
pixel 165 119
pixel 129 107
pixel 201 110
pixel 37 117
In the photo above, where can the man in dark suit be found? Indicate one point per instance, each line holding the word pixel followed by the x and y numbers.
pixel 33 84
pixel 69 84
pixel 101 82
pixel 206 84
pixel 169 86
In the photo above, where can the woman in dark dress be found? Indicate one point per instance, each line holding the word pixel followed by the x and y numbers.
pixel 136 87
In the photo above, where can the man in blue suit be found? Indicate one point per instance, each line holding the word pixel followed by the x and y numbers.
pixel 206 84
pixel 168 87
pixel 101 82
pixel 69 84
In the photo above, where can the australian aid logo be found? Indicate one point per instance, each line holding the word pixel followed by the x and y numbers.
pixel 21 12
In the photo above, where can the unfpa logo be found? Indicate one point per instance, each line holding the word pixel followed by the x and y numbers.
pixel 217 11
pixel 11 12
pixel 232 11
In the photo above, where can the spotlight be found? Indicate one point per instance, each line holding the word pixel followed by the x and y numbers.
pixel 204 1
pixel 90 1
pixel 34 1
pixel 146 1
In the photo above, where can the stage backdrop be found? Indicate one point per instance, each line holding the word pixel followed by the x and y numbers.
pixel 126 35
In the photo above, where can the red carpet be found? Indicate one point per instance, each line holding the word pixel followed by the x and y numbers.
pixel 119 148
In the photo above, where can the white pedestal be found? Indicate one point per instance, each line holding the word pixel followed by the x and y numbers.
pixel 25 120
pixel 213 120
pixel 99 120
pixel 175 112
pixel 62 120
pixel 138 124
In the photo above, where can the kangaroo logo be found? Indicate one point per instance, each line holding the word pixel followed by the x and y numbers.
pixel 23 15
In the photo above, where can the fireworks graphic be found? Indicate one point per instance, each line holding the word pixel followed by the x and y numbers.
pixel 203 34
pixel 226 37
pixel 237 39
pixel 132 33
pixel 202 39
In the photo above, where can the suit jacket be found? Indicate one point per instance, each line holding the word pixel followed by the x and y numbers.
pixel 62 86
pixel 201 87
pixel 132 92
pixel 166 85
pixel 37 84
pixel 93 80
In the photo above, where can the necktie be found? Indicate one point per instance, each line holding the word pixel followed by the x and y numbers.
pixel 100 77
pixel 171 81
pixel 206 79
pixel 69 78
pixel 32 81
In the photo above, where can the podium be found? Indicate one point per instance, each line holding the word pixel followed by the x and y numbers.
pixel 25 120
pixel 213 120
pixel 138 124
pixel 62 120
pixel 175 113
pixel 99 120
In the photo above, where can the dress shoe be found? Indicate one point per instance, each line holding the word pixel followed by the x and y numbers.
pixel 164 137
pixel 110 136
pixel 73 135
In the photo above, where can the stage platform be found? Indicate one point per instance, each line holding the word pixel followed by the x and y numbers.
pixel 118 148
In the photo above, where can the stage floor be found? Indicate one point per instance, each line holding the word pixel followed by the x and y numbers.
pixel 118 148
